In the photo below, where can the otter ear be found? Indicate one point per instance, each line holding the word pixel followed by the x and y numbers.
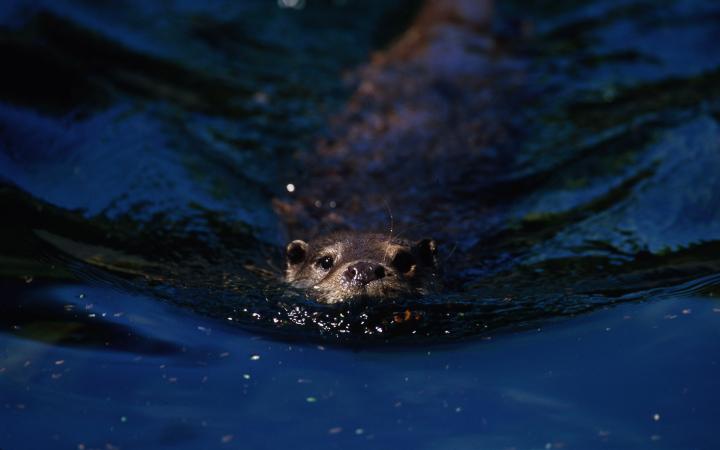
pixel 426 250
pixel 296 252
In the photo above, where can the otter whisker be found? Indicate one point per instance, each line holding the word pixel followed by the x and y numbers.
pixel 450 253
pixel 392 224
pixel 402 232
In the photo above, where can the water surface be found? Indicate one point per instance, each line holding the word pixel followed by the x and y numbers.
pixel 143 153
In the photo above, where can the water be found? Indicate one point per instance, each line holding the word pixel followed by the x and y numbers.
pixel 631 376
pixel 570 175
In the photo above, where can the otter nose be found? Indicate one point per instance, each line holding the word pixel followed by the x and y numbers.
pixel 361 273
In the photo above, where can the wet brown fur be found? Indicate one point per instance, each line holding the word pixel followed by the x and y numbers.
pixel 346 248
pixel 431 109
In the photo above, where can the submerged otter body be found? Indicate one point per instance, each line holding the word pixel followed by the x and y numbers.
pixel 350 265
pixel 415 133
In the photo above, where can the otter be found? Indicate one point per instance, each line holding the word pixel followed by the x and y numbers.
pixel 413 134
pixel 345 266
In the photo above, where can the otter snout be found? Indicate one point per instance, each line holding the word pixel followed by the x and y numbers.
pixel 363 272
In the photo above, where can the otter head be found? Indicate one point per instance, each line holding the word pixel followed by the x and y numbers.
pixel 345 266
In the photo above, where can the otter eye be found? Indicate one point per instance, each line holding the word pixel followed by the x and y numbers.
pixel 326 262
pixel 403 261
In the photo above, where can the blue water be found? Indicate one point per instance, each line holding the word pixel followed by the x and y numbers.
pixel 573 186
pixel 638 375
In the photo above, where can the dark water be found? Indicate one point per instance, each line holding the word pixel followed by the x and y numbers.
pixel 142 149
